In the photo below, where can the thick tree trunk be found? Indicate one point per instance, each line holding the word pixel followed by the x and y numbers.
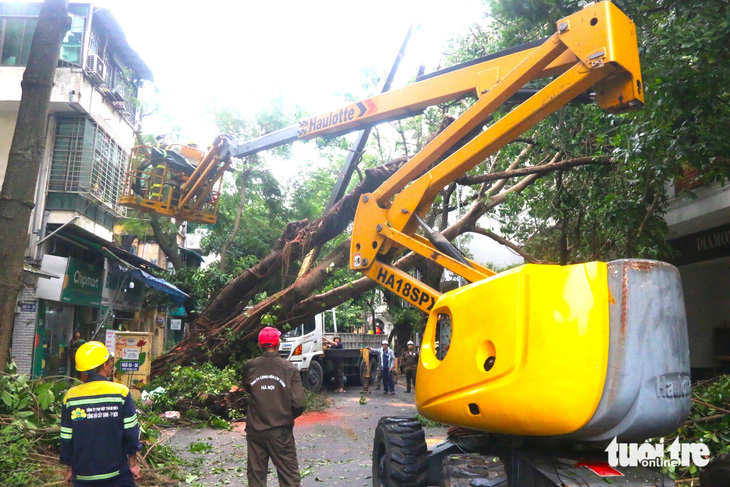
pixel 167 243
pixel 211 345
pixel 237 222
pixel 212 339
pixel 26 153
pixel 296 241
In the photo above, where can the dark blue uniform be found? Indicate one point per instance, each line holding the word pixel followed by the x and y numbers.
pixel 99 430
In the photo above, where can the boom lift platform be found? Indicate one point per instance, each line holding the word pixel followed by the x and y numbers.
pixel 541 366
pixel 178 181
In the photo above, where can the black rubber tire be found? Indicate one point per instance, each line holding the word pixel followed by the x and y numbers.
pixel 399 453
pixel 312 379
pixel 717 472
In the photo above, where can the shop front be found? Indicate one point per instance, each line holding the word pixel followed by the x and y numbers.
pixel 66 307
pixel 121 298
pixel 704 264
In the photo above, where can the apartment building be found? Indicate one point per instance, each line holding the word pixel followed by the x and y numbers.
pixel 76 279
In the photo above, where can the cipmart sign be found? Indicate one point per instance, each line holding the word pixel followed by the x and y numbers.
pixel 82 283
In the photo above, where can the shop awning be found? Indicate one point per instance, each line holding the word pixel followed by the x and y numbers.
pixel 189 255
pixel 39 272
pixel 123 257
pixel 178 297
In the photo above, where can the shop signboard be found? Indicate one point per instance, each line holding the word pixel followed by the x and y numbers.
pixel 132 360
pixel 702 246
pixel 176 324
pixel 82 283
pixel 110 339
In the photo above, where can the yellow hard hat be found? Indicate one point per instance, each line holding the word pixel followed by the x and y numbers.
pixel 91 355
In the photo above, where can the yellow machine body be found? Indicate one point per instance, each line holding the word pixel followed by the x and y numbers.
pixel 545 328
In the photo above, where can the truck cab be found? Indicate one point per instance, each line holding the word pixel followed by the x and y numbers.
pixel 303 346
pixel 303 343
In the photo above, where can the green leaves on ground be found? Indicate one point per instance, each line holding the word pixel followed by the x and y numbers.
pixel 200 447
pixel 708 422
pixel 30 416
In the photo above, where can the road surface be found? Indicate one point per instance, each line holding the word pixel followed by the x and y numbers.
pixel 333 446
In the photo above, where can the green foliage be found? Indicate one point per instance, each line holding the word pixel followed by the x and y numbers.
pixel 310 191
pixel 709 425
pixel 427 423
pixel 261 223
pixel 201 447
pixel 26 407
pixel 315 401
pixel 193 383
pixel 219 423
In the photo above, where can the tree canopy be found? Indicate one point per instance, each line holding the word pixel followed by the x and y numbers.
pixel 582 185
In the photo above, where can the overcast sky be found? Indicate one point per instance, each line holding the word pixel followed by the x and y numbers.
pixel 206 55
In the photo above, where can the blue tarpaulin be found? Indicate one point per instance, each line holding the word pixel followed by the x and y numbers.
pixel 178 297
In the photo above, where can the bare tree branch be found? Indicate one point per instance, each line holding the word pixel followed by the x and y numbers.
pixel 512 246
pixel 222 265
pixel 541 170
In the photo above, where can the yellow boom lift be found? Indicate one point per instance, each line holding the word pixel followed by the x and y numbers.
pixel 540 367
pixel 179 181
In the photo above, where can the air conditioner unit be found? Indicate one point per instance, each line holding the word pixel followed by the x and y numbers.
pixel 95 68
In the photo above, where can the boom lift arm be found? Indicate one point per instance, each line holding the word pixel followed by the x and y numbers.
pixel 587 352
pixel 485 78
pixel 594 47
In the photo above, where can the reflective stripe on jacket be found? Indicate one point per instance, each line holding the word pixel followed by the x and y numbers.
pixel 99 429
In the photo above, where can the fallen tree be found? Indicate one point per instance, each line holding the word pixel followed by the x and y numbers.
pixel 224 320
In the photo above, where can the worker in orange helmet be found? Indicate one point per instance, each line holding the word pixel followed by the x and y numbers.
pixel 276 397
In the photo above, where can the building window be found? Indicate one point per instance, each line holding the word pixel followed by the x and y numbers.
pixel 73 41
pixel 15 37
pixel 17 25
pixel 86 160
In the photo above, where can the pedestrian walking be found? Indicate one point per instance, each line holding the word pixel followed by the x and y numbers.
pixel 99 429
pixel 276 397
pixel 386 366
pixel 409 363
pixel 76 342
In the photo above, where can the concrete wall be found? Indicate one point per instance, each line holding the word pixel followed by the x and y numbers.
pixel 707 300
pixel 7 127
pixel 72 93
pixel 710 208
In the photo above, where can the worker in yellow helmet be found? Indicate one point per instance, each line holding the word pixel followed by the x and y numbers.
pixel 99 429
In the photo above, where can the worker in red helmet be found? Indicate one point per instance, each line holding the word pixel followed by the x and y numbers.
pixel 276 397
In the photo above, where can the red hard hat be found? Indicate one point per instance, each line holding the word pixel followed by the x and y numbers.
pixel 269 337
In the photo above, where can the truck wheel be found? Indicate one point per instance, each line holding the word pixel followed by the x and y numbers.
pixel 367 374
pixel 399 453
pixel 716 473
pixel 312 379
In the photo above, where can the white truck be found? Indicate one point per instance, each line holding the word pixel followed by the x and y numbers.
pixel 303 346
